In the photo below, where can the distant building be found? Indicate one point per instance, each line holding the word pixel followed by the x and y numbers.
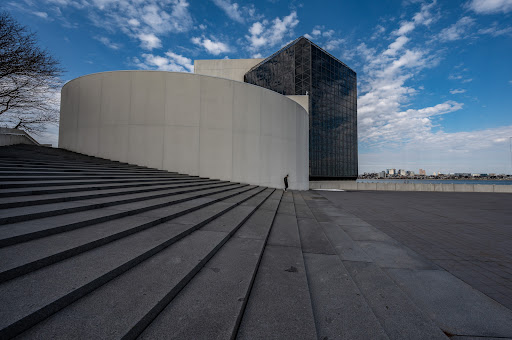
pixel 390 171
pixel 423 172
pixel 402 172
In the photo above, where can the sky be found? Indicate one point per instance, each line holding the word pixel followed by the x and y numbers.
pixel 434 77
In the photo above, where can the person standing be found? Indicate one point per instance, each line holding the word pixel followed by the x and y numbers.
pixel 286 182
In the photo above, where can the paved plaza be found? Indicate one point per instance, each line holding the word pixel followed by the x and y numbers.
pixel 467 234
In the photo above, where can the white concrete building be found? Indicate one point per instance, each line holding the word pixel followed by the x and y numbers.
pixel 212 125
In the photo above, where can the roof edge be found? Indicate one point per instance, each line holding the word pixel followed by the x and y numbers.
pixel 293 43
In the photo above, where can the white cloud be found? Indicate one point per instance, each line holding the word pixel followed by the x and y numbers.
pixel 42 15
pixel 169 62
pixel 333 44
pixel 134 22
pixel 232 10
pixel 328 33
pixel 379 30
pixel 459 30
pixel 269 34
pixel 384 90
pixel 490 6
pixel 213 47
pixel 397 45
pixel 106 41
pixel 141 20
pixel 480 151
pixel 495 31
pixel 423 17
pixel 405 27
pixel 149 41
pixel 457 91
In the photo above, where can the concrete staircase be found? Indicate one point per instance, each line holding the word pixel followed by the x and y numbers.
pixel 94 249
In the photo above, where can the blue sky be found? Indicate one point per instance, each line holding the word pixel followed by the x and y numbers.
pixel 434 77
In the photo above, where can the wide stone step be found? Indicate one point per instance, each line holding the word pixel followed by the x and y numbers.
pixel 73 168
pixel 78 177
pixel 53 209
pixel 162 255
pixel 13 202
pixel 11 193
pixel 29 230
pixel 5 184
pixel 23 258
pixel 71 174
pixel 21 164
pixel 212 304
pixel 279 305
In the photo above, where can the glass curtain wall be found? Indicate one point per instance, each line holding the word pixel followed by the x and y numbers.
pixel 303 68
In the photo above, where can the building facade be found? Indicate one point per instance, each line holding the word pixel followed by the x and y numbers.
pixel 303 68
pixel 188 123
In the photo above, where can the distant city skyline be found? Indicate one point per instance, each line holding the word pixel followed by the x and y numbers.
pixel 434 78
pixel 423 172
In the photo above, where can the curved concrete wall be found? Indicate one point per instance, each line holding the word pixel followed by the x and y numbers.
pixel 187 123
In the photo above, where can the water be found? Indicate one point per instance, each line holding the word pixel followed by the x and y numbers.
pixel 433 181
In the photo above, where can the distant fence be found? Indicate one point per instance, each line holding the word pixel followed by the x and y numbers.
pixel 439 187
pixel 15 136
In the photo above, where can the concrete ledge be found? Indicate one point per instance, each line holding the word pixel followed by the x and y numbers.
pixel 386 186
pixel 437 187
pixel 15 136
pixel 483 188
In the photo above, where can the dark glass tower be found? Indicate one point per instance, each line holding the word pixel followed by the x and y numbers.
pixel 304 68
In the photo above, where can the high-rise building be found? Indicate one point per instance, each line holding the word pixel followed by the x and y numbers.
pixel 303 68
pixel 422 172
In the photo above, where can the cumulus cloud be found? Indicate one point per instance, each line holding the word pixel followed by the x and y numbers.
pixel 395 46
pixel 169 62
pixel 149 41
pixel 213 47
pixel 333 44
pixel 379 30
pixel 269 34
pixel 425 17
pixel 234 11
pixel 107 42
pixel 141 20
pixel 459 30
pixel 479 151
pixel 413 137
pixel 384 90
pixel 490 6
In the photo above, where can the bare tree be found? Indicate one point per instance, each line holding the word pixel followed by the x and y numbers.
pixel 29 79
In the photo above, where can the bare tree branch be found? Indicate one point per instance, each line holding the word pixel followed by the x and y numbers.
pixel 29 79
